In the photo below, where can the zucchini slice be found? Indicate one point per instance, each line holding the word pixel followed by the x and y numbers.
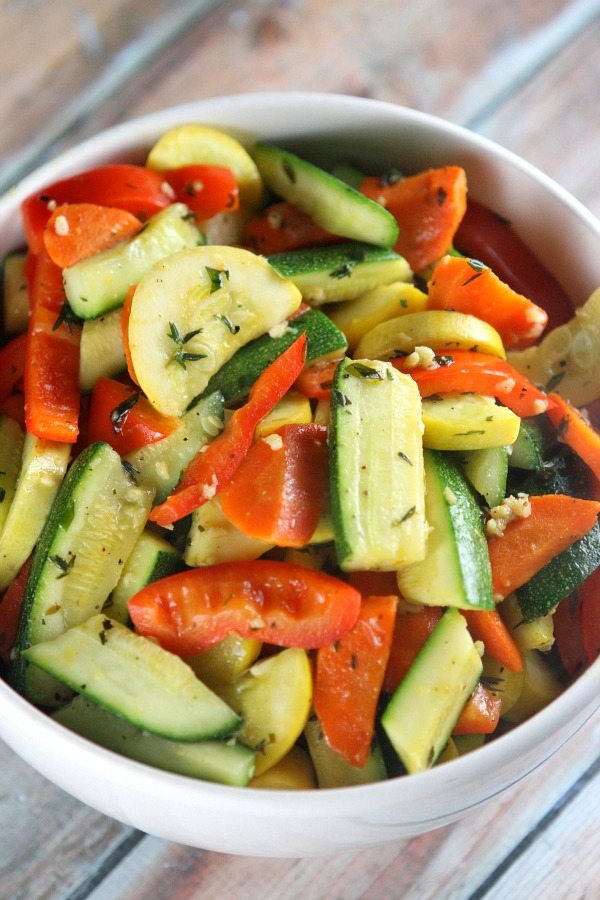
pixel 91 529
pixel 131 676
pixel 331 203
pixel 151 559
pixel 11 449
pixel 15 298
pixel 226 762
pixel 376 467
pixel 193 311
pixel 101 349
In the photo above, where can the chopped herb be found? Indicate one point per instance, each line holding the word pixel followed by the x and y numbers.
pixel 227 323
pixel 341 399
pixel 289 170
pixel 67 316
pixel 443 360
pixel 353 661
pixel 408 514
pixel 435 398
pixel 217 278
pixel 392 176
pixel 118 416
pixel 181 356
pixel 403 303
pixel 130 469
pixel 405 458
pixel 361 371
pixel 64 565
pixel 478 267
pixel 343 271
pixel 554 381
pixel 2 494
pixel 107 624
pixel 441 196
pixel 466 433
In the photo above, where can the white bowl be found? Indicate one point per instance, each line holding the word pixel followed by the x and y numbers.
pixel 309 823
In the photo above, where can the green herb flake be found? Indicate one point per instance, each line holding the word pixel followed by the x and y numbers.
pixel 467 433
pixel 478 267
pixel 406 458
pixel 65 565
pixel 392 176
pixel 343 271
pixel 403 302
pixel 441 196
pixel 359 370
pixel 130 470
pixel 67 316
pixel 407 515
pixel 217 278
pixel 554 381
pixel 181 356
pixel 227 323
pixel 119 414
pixel 443 360
pixel 2 495
pixel 289 170
pixel 339 398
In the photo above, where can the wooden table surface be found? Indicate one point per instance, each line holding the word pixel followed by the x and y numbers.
pixel 524 72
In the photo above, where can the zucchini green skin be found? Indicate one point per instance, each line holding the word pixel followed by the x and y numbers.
pixel 332 203
pixel 487 471
pixel 151 559
pixel 528 450
pixel 339 271
pixel 222 762
pixel 236 377
pixel 91 528
pixel 560 577
pixel 423 710
pixel 456 570
pixel 133 677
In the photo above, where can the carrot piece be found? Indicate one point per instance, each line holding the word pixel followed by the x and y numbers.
pixel 480 714
pixel 278 491
pixel 282 226
pixel 412 628
pixel 316 379
pixel 487 625
pixel 468 286
pixel 348 679
pixel 589 596
pixel 77 230
pixel 12 365
pixel 428 207
pixel 10 610
pixel 528 544
pixel 573 430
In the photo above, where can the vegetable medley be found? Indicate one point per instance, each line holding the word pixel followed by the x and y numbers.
pixel 297 487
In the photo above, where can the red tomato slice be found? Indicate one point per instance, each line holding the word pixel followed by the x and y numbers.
pixel 276 602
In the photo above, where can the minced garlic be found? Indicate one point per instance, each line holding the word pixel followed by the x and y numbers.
pixel 275 441
pixel 61 225
pixel 421 358
pixel 511 508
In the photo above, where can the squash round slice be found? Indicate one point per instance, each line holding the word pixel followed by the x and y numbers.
pixel 439 329
pixel 189 145
pixel 192 311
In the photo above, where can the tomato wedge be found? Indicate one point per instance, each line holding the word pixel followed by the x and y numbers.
pixel 278 492
pixel 206 190
pixel 276 602
pixel 135 189
pixel 348 680
pixel 467 371
pixel 124 418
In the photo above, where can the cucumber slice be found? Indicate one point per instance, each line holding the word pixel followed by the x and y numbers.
pixel 467 422
pixel 193 311
pixel 376 467
pixel 159 466
pixel 456 570
pixel 11 449
pixel 340 271
pixel 15 298
pixel 99 283
pixel 131 676
pixel 43 466
pixel 219 761
pixel 560 577
pixel 235 378
pixel 426 705
pixel 439 329
pixel 92 527
pixel 528 450
pixel 101 349
pixel 487 471
pixel 332 769
pixel 331 203
pixel 151 559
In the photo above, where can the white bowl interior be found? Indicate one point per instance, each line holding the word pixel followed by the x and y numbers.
pixel 256 822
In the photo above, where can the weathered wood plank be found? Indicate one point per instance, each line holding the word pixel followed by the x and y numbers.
pixel 454 860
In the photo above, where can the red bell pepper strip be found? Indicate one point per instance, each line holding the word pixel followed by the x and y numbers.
pixel 487 625
pixel 124 418
pixel 276 602
pixel 374 584
pixel 568 634
pixel 316 379
pixel 282 226
pixel 217 462
pixel 12 365
pixel 573 430
pixel 413 626
pixel 428 208
pixel 468 286
pixel 77 230
pixel 278 492
pixel 486 236
pixel 589 598
pixel 348 678
pixel 51 377
pixel 206 190
pixel 467 371
pixel 133 188
pixel 10 611
pixel 480 714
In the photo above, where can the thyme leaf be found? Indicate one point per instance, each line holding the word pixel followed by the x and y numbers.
pixel 119 414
